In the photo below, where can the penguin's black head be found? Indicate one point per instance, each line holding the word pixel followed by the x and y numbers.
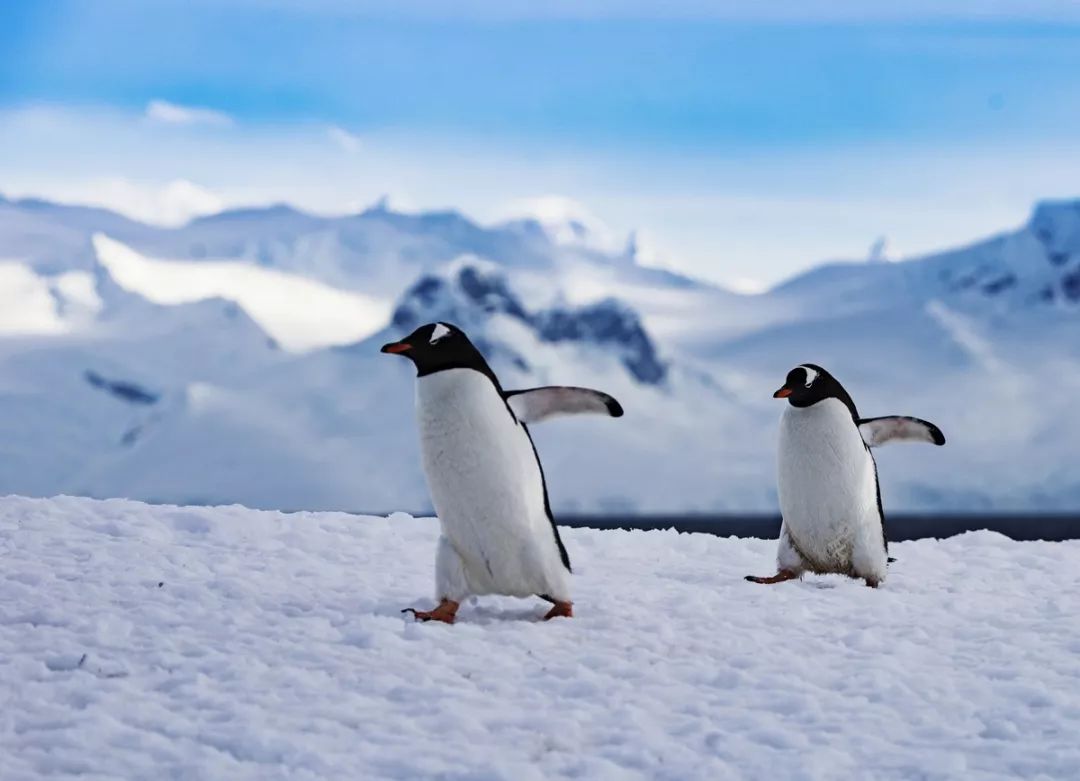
pixel 808 383
pixel 439 346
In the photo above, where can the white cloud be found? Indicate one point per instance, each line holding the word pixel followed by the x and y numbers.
pixel 569 222
pixel 349 142
pixel 650 253
pixel 180 200
pixel 167 113
pixel 719 217
pixel 746 285
pixel 169 204
pixel 566 221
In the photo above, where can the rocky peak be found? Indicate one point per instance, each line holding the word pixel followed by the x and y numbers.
pixel 470 293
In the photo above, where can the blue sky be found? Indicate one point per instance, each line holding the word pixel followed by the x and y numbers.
pixel 743 144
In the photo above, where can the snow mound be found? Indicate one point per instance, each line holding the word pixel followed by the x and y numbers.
pixel 172 642
pixel 299 313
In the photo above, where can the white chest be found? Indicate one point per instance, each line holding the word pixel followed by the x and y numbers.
pixel 486 485
pixel 478 459
pixel 827 485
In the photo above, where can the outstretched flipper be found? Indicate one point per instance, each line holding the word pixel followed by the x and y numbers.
pixel 899 428
pixel 537 404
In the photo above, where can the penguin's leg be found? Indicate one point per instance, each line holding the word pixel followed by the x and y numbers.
pixel 789 562
pixel 779 577
pixel 451 585
pixel 869 559
pixel 561 609
pixel 445 612
pixel 556 583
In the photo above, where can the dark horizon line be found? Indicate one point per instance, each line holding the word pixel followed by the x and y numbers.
pixel 899 527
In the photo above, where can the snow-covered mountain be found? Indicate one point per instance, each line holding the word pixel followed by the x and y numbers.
pixel 235 359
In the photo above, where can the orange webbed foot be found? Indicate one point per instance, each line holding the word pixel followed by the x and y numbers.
pixel 446 612
pixel 560 610
pixel 779 577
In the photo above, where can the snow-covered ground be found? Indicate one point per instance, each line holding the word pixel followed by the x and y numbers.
pixel 167 642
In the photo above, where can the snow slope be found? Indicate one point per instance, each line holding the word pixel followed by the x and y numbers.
pixel 176 642
pixel 299 313
pixel 982 340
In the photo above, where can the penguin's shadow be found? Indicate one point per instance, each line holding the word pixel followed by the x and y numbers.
pixel 807 583
pixel 487 615
pixel 820 584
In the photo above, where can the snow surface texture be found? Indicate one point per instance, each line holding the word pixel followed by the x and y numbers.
pixel 242 395
pixel 168 642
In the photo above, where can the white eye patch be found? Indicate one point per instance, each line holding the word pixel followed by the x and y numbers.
pixel 438 332
pixel 811 375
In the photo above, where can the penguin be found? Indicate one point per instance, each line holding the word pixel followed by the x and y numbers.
pixel 830 499
pixel 484 474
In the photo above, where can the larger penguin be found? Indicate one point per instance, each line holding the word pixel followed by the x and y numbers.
pixel 484 475
pixel 827 479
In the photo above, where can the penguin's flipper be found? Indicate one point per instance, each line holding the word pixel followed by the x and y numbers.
pixel 537 404
pixel 899 428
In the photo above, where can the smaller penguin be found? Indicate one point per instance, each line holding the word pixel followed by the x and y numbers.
pixel 830 499
pixel 484 475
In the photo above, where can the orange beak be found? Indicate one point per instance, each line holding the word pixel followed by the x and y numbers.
pixel 783 393
pixel 396 347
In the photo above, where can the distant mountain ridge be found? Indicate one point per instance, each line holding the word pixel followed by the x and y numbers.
pixel 378 248
pixel 104 392
pixel 1038 263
